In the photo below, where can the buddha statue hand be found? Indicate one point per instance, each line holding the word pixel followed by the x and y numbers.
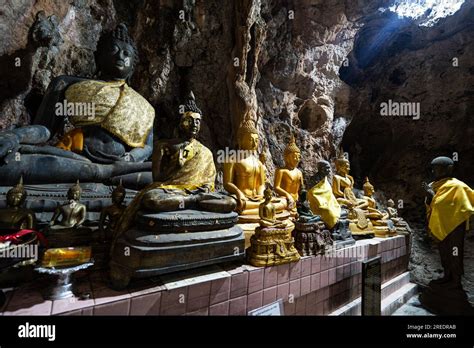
pixel 290 201
pixel 9 145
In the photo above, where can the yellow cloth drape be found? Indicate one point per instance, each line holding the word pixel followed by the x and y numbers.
pixel 72 141
pixel 116 107
pixel 452 204
pixel 323 202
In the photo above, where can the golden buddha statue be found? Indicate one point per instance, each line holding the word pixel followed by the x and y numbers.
pixel 383 226
pixel 342 187
pixel 71 214
pixel 245 178
pixel 272 243
pixel 110 215
pixel 289 180
pixel 15 217
pixel 400 224
pixel 267 212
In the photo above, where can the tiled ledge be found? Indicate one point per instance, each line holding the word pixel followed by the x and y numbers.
pixel 316 285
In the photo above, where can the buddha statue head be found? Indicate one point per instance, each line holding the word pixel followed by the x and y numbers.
pixel 324 168
pixel 302 195
pixel 268 193
pixel 118 194
pixel 292 154
pixel 116 55
pixel 390 203
pixel 190 122
pixel 442 167
pixel 342 164
pixel 368 188
pixel 247 135
pixel 74 193
pixel 16 196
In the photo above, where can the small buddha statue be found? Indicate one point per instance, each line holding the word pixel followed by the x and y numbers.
pixel 15 217
pixel 71 214
pixel 110 215
pixel 272 243
pixel 111 134
pixel 324 203
pixel 267 211
pixel 289 180
pixel 245 178
pixel 400 224
pixel 304 210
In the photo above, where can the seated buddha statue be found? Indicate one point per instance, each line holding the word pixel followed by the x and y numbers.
pixel 324 203
pixel 272 244
pixel 15 217
pixel 267 212
pixel 70 214
pixel 183 172
pixel 110 215
pixel 245 178
pixel 303 208
pixel 342 187
pixel 400 224
pixel 383 226
pixel 111 126
pixel 289 180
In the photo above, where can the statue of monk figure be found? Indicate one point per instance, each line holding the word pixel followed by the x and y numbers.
pixel 289 180
pixel 321 198
pixel 450 204
pixel 245 178
pixel 15 217
pixel 400 224
pixel 184 174
pixel 111 126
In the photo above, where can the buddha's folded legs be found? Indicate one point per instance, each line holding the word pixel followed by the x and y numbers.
pixel 160 200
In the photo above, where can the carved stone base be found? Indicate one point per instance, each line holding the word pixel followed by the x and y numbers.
pixel 272 246
pixel 311 238
pixel 139 253
pixel 360 232
pixel 384 232
pixel 281 216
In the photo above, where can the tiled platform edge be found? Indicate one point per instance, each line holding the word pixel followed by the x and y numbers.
pixel 316 285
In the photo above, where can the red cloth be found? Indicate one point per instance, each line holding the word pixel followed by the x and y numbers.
pixel 15 237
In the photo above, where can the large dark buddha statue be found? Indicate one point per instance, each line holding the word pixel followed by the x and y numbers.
pixel 103 127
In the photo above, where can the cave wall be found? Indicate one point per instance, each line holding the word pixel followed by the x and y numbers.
pixel 314 67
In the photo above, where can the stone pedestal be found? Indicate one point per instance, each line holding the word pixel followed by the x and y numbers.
pixel 272 246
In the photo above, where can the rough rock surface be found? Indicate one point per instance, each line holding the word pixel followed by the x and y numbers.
pixel 311 66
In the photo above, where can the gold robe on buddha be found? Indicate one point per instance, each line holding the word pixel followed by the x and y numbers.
pixel 117 108
pixel 452 204
pixel 198 170
pixel 323 202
